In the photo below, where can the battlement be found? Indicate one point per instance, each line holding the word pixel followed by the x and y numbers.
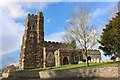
pixel 35 22
pixel 40 13
pixel 52 42
pixel 31 17
pixel 34 15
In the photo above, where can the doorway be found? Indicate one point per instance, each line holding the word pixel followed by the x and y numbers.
pixel 65 61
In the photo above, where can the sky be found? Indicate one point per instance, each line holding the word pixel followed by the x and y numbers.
pixel 56 14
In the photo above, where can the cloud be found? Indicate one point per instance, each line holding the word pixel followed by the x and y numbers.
pixel 101 16
pixel 105 10
pixel 11 35
pixel 11 58
pixel 14 53
pixel 12 31
pixel 67 20
pixel 21 9
pixel 14 10
pixel 60 1
pixel 35 5
pixel 57 37
pixel 100 12
pixel 48 20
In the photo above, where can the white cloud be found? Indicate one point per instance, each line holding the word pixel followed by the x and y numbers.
pixel 35 5
pixel 33 1
pixel 57 37
pixel 99 12
pixel 67 20
pixel 105 10
pixel 60 0
pixel 48 20
pixel 10 58
pixel 12 31
pixel 20 10
pixel 13 58
pixel 14 10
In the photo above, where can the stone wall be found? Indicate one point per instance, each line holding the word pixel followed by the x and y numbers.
pixel 104 72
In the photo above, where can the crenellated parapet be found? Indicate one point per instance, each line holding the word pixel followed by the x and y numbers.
pixel 29 15
pixel 35 22
pixel 53 42
pixel 59 45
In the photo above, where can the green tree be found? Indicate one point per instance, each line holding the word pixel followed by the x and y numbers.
pixel 110 38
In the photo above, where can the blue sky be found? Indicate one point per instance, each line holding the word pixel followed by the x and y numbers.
pixel 13 17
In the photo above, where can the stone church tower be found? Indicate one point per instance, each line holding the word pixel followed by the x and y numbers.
pixel 31 55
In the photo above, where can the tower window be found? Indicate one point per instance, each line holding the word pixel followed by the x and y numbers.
pixel 51 46
pixel 33 25
pixel 31 35
pixel 32 40
pixel 76 57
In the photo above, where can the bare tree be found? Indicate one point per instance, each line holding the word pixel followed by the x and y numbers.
pixel 80 29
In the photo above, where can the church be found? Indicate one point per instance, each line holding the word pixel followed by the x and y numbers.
pixel 37 53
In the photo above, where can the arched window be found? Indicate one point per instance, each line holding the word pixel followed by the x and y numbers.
pixel 76 58
pixel 31 35
pixel 51 46
pixel 50 59
pixel 32 40
pixel 33 26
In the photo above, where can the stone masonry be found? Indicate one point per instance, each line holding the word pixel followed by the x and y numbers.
pixel 35 52
pixel 100 72
pixel 31 50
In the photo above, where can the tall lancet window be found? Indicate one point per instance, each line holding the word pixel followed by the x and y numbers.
pixel 32 40
pixel 76 57
pixel 50 59
pixel 31 35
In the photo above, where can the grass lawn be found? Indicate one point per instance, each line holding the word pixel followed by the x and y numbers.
pixel 73 66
